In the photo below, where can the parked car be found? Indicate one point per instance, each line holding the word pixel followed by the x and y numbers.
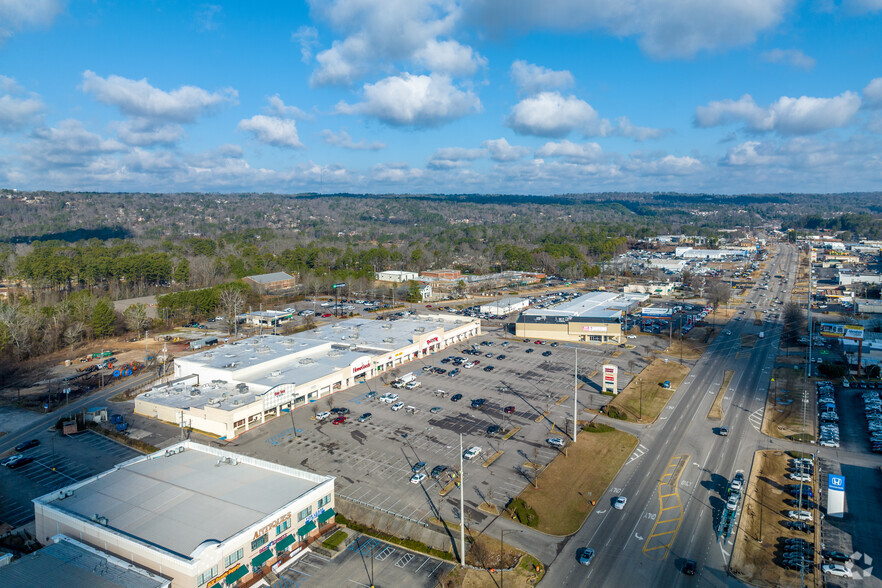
pixel 397 406
pixel 472 452
pixel 478 402
pixel 322 415
pixel 509 410
pixel 800 515
pixel 555 442
pixel 456 398
pixel 365 417
pixel 339 420
pixel 838 570
pixel 8 460
pixel 799 526
pixel 417 478
pixel 435 409
pixel 340 410
pixel 493 429
pixel 21 461
pixel 437 471
pixel 418 467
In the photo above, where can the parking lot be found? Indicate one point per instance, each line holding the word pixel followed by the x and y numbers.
pixel 365 562
pixel 373 460
pixel 58 462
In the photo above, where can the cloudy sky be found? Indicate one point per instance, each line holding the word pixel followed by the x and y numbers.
pixel 499 96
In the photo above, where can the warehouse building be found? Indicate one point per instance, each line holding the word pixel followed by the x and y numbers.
pixel 233 388
pixel 197 515
pixel 596 317
pixel 505 306
pixel 711 254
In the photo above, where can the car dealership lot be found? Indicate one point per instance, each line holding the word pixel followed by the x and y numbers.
pixel 373 459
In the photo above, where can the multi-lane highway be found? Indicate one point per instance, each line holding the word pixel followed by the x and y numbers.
pixel 676 488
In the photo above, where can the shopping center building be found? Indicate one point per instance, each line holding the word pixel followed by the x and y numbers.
pixel 596 317
pixel 197 515
pixel 235 387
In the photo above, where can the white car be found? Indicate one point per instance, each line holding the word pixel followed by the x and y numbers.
pixel 397 406
pixel 800 477
pixel 389 398
pixel 838 570
pixel 322 416
pixel 555 441
pixel 472 452
pixel 732 504
pixel 829 443
pixel 632 336
pixel 412 384
pixel 800 515
pixel 417 478
pixel 620 502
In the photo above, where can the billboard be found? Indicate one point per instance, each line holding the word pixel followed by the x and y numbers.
pixel 835 496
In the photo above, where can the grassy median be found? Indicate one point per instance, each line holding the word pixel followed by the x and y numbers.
pixel 654 396
pixel 567 486
pixel 716 410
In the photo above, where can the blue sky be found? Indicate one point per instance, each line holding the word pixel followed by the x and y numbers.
pixel 498 96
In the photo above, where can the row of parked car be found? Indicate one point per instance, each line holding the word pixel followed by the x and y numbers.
pixel 828 418
pixel 873 412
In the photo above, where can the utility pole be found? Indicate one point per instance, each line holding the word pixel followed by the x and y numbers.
pixel 461 507
pixel 575 398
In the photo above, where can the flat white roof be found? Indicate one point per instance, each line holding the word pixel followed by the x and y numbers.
pixel 177 502
pixel 592 304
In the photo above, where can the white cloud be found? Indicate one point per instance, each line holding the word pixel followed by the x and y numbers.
pixel 414 100
pixel 530 78
pixel 139 98
pixel 308 39
pixel 206 17
pixel 18 109
pixel 803 154
pixel 500 151
pixel 395 172
pixel 454 157
pixel 19 15
pixel 584 152
pixel 272 130
pixel 67 145
pixel 449 57
pixel 342 139
pixel 791 57
pixel 788 116
pixel 625 128
pixel 142 132
pixel 667 165
pixel 377 33
pixel 862 6
pixel 549 114
pixel 277 107
pixel 670 29
pixel 873 94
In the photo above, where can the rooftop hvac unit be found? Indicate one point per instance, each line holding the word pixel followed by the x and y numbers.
pixel 306 361
pixel 387 325
pixel 229 355
pixel 231 365
pixel 208 355
pixel 276 374
pixel 225 395
pixel 195 392
pixel 236 402
pixel 419 329
pixel 388 340
pixel 264 349
pixel 100 520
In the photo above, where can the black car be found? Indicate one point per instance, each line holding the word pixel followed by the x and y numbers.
pixel 456 398
pixel 529 350
pixel 418 466
pixel 478 402
pixel 689 567
pixel 19 462
pixel 799 526
pixel 804 504
pixel 437 471
pixel 500 356
pixel 835 555
pixel 27 445
pixel 489 368
pixel 493 429
pixel 340 410
pixel 546 353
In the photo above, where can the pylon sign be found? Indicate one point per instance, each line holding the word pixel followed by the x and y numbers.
pixel 835 496
pixel 611 378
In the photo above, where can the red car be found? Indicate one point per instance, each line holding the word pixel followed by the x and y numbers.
pixel 326 315
pixel 539 342
pixel 509 409
pixel 339 420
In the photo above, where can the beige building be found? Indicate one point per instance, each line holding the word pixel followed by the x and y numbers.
pixel 230 389
pixel 596 317
pixel 197 515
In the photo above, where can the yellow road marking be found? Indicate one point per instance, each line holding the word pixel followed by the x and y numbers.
pixel 669 479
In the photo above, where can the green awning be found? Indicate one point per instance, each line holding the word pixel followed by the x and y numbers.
pixel 325 516
pixel 218 584
pixel 236 575
pixel 284 543
pixel 262 558
pixel 306 529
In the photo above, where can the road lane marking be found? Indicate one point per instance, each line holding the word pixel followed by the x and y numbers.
pixel 655 547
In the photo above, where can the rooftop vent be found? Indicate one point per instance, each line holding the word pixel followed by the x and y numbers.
pixel 100 520
pixel 388 340
pixel 419 330
pixel 306 361
pixel 276 374
pixel 231 365
pixel 195 392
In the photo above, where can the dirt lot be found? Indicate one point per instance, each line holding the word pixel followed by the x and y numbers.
pixel 654 397
pixel 569 483
pixel 694 344
pixel 758 544
pixel 784 406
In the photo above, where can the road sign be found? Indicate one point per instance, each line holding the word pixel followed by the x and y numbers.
pixel 335 286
